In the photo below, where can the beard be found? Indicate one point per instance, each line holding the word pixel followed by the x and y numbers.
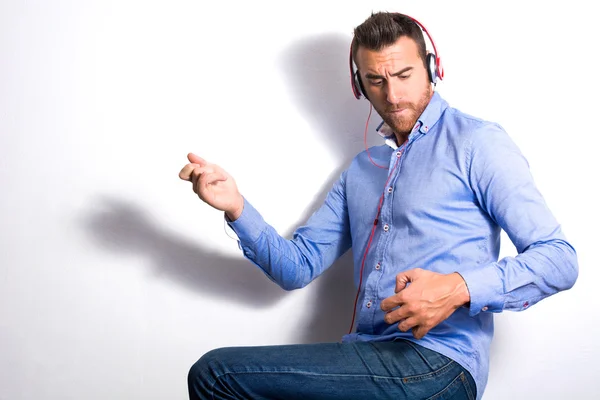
pixel 403 123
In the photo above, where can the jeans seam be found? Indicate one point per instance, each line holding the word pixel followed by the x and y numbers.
pixel 415 348
pixel 467 385
pixel 308 373
pixel 416 378
pixel 219 377
pixel 454 381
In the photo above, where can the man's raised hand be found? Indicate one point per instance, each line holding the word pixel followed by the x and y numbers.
pixel 213 185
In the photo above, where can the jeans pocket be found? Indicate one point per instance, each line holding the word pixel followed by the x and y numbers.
pixel 458 389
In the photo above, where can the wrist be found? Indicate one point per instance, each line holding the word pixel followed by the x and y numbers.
pixel 463 297
pixel 236 211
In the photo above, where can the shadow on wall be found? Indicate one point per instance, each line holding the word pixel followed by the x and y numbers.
pixel 318 80
pixel 123 227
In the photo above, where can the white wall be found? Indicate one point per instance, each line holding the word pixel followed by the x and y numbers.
pixel 115 279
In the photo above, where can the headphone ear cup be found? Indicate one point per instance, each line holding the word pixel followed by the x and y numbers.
pixel 431 67
pixel 359 84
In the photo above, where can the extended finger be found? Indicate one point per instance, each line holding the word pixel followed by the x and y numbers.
pixel 391 302
pixel 194 159
pixel 407 324
pixel 398 314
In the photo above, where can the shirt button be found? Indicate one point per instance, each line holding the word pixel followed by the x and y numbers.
pixel 390 189
pixel 398 154
pixel 386 227
pixel 484 308
pixel 378 267
pixel 369 304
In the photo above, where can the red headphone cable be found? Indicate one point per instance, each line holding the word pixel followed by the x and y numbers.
pixel 375 222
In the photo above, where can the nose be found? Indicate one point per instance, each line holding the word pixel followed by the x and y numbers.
pixel 393 94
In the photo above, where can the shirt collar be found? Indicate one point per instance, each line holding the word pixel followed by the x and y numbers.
pixel 426 121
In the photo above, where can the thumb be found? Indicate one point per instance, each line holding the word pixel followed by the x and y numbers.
pixel 403 278
pixel 194 159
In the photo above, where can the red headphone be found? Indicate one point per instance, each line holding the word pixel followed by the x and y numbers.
pixel 433 62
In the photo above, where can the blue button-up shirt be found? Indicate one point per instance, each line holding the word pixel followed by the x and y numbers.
pixel 451 188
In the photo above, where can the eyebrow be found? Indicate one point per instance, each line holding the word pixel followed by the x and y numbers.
pixel 402 71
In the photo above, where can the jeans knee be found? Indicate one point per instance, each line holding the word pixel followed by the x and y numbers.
pixel 205 372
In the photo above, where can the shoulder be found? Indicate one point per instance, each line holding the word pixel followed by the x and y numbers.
pixel 477 132
pixel 378 154
pixel 468 123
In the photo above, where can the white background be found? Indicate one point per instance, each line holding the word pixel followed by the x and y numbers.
pixel 115 278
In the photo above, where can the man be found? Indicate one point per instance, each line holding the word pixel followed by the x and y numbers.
pixel 423 215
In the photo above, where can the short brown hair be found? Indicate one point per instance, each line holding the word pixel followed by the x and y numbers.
pixel 384 29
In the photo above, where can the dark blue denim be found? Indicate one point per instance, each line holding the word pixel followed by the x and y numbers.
pixel 361 370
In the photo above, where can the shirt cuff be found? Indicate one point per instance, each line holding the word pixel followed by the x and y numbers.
pixel 485 288
pixel 249 226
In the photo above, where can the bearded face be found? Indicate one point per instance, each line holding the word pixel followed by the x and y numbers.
pixel 396 83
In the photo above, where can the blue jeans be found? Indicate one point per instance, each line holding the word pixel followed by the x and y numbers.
pixel 362 370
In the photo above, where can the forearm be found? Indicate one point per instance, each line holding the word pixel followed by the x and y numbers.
pixel 294 263
pixel 517 283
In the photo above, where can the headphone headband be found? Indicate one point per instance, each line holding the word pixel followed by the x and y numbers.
pixel 433 62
